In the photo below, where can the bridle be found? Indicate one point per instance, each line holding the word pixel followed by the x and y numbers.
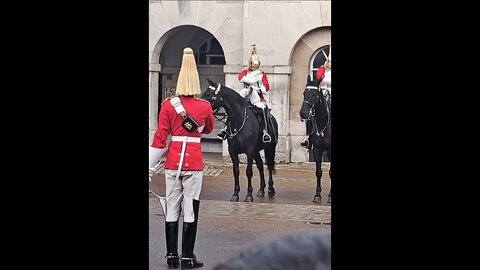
pixel 214 99
pixel 311 112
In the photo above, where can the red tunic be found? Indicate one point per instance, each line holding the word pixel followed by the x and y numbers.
pixel 320 74
pixel 264 81
pixel 170 122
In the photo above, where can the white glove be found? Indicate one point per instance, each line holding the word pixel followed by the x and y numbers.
pixel 249 80
pixel 155 155
pixel 200 128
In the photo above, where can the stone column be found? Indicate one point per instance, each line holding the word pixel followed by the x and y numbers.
pixel 154 77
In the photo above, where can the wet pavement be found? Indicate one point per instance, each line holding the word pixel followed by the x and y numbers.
pixel 226 228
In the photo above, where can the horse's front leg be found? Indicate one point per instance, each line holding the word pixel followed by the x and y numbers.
pixel 330 175
pixel 318 173
pixel 330 192
pixel 259 162
pixel 249 172
pixel 236 175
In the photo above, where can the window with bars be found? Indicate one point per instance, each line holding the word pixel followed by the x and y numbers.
pixel 210 53
pixel 319 58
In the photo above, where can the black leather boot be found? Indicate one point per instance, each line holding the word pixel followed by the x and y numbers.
pixel 189 260
pixel 305 143
pixel 309 141
pixel 265 137
pixel 171 235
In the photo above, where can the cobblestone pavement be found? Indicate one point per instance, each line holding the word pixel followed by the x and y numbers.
pixel 228 228
pixel 312 214
pixel 209 170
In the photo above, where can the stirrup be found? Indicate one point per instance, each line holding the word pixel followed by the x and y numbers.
pixel 266 137
pixel 222 134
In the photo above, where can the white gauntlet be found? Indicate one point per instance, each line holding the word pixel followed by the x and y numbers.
pixel 155 156
pixel 249 80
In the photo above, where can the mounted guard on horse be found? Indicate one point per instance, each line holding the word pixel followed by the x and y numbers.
pixel 256 87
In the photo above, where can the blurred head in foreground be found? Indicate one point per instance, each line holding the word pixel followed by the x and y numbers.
pixel 301 251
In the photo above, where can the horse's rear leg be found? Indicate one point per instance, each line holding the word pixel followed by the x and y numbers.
pixel 259 162
pixel 249 172
pixel 270 158
pixel 236 175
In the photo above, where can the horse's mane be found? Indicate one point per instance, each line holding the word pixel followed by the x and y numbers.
pixel 234 94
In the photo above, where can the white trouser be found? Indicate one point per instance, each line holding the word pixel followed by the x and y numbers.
pixel 185 190
pixel 254 97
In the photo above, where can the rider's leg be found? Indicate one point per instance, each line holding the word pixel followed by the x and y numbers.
pixel 244 92
pixel 307 143
pixel 266 138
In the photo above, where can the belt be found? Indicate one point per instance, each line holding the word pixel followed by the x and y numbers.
pixel 188 139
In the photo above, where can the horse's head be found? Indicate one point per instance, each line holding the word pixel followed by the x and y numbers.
pixel 311 95
pixel 212 94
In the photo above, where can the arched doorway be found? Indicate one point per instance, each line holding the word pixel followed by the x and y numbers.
pixel 168 52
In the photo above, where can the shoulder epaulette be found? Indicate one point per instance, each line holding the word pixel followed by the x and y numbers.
pixel 167 99
pixel 201 99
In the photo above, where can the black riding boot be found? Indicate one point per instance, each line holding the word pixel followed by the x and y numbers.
pixel 308 142
pixel 265 137
pixel 171 235
pixel 189 260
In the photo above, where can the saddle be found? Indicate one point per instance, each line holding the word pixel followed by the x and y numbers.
pixel 259 113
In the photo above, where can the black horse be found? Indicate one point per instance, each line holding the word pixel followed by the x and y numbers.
pixel 245 136
pixel 316 109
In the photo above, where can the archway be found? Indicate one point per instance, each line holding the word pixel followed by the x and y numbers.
pixel 301 59
pixel 167 58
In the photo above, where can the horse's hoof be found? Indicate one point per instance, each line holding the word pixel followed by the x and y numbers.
pixel 329 199
pixel 318 199
pixel 234 198
pixel 249 198
pixel 271 194
pixel 261 193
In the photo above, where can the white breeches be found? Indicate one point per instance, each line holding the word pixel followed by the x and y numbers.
pixel 254 97
pixel 186 189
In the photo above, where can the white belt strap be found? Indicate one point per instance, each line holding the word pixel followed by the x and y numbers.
pixel 162 200
pixel 175 101
pixel 182 155
pixel 186 139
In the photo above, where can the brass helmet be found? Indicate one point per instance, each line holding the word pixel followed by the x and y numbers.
pixel 254 59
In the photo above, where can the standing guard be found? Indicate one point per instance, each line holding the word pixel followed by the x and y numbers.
pixel 183 117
